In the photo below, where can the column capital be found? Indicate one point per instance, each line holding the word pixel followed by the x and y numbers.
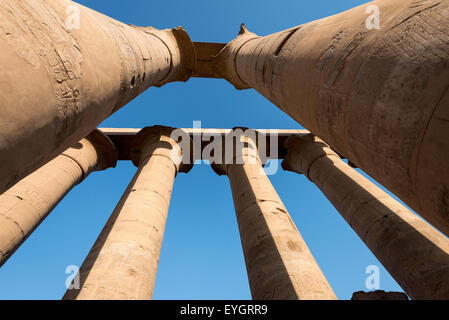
pixel 303 151
pixel 95 152
pixel 27 203
pixel 245 152
pixel 158 140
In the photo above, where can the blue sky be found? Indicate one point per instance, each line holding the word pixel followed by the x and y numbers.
pixel 201 255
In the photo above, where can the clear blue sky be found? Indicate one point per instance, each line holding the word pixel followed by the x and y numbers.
pixel 201 255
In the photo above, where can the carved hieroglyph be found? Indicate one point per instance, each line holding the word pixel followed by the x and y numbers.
pixel 379 97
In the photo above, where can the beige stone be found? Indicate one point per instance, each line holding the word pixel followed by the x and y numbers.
pixel 60 80
pixel 413 252
pixel 25 205
pixel 379 97
pixel 278 261
pixel 123 262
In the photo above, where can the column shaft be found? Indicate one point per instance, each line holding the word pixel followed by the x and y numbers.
pixel 25 205
pixel 123 262
pixel 373 83
pixel 415 254
pixel 278 261
pixel 66 68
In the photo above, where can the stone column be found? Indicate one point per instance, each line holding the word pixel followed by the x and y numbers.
pixel 372 82
pixel 379 295
pixel 66 68
pixel 123 262
pixel 415 254
pixel 278 261
pixel 25 205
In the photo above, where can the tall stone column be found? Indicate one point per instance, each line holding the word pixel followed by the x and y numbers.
pixel 123 262
pixel 415 254
pixel 373 83
pixel 278 261
pixel 66 68
pixel 25 205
